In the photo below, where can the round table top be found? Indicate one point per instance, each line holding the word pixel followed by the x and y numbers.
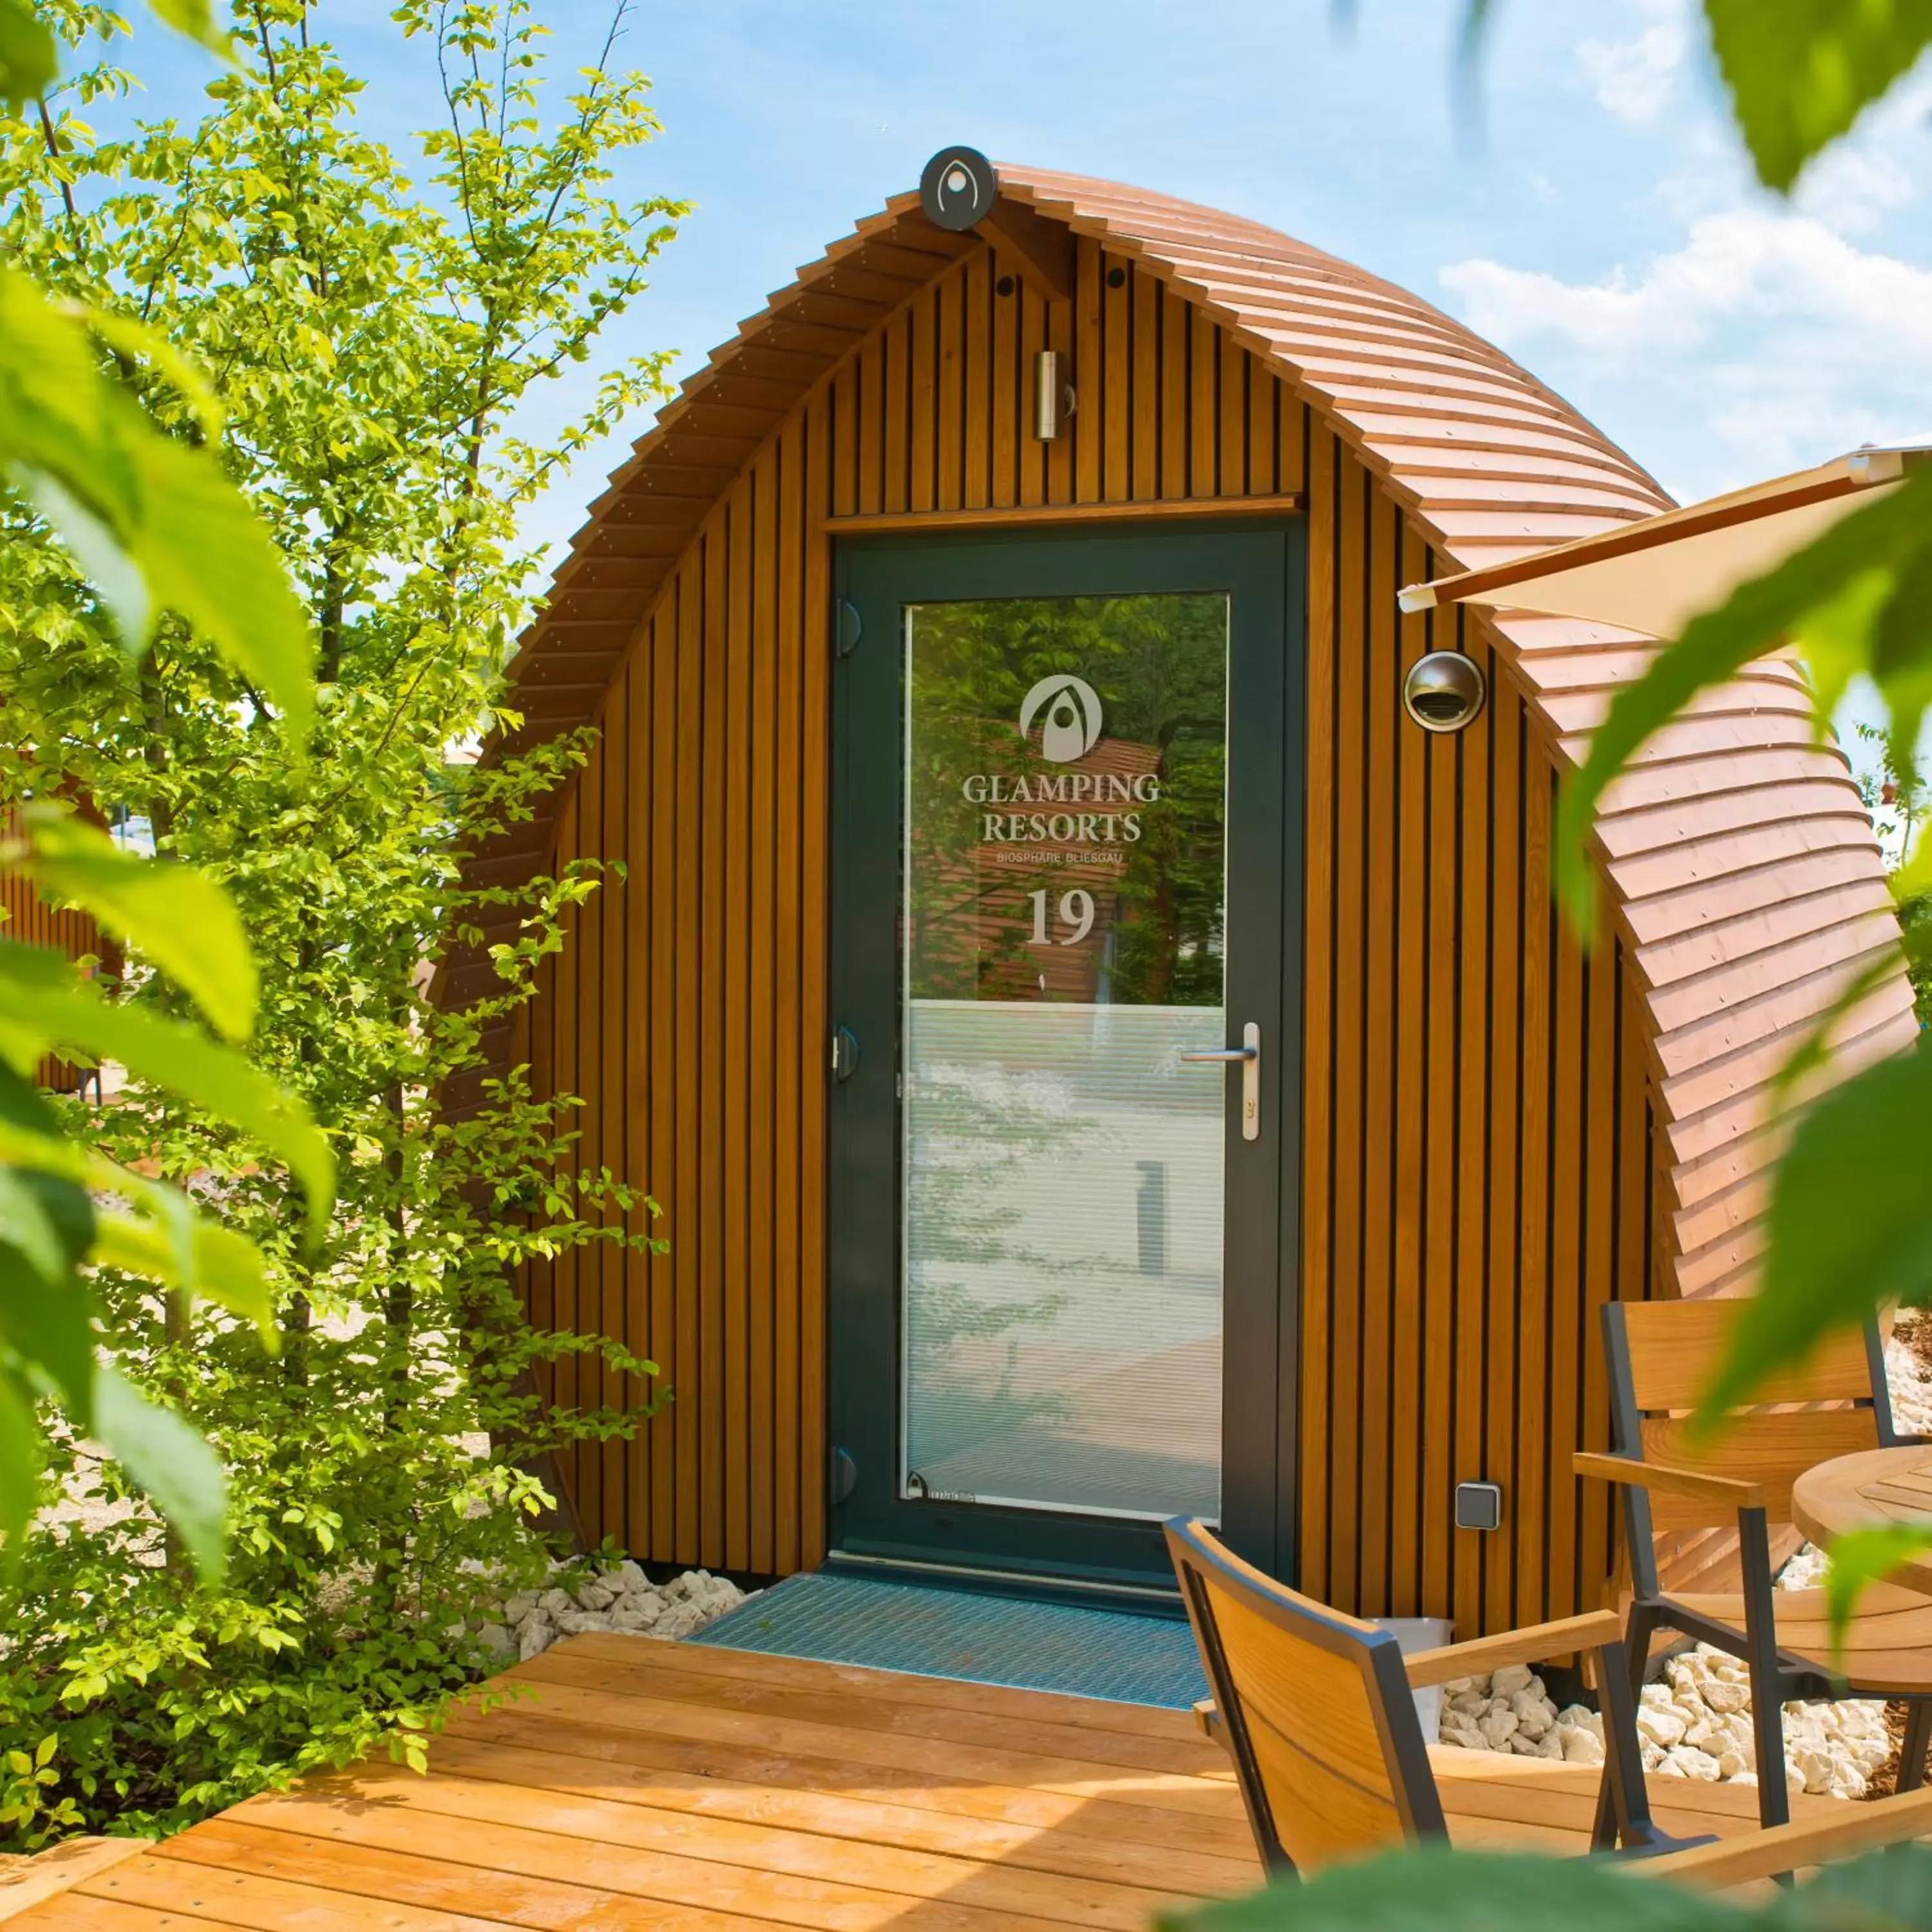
pixel 1876 1486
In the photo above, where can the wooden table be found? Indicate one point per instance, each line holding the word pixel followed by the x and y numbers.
pixel 1876 1486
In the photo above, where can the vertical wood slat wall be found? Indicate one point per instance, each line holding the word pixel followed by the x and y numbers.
pixel 1477 1171
pixel 688 1013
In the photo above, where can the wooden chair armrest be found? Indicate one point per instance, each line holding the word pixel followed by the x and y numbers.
pixel 1788 1848
pixel 1539 1642
pixel 1668 1480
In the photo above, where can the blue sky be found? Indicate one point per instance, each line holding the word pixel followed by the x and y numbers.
pixel 1599 223
pixel 1601 226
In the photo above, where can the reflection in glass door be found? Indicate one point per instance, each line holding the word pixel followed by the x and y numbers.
pixel 1066 841
pixel 1063 922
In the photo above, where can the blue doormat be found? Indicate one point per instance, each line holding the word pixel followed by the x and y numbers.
pixel 936 1632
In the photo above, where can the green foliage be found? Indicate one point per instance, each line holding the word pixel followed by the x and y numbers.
pixel 1433 1889
pixel 186 925
pixel 1800 72
pixel 1863 1556
pixel 1850 1220
pixel 153 522
pixel 376 328
pixel 28 1809
pixel 28 61
pixel 1850 602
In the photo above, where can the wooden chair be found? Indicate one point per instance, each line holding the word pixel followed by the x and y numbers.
pixel 1316 1710
pixel 1661 1357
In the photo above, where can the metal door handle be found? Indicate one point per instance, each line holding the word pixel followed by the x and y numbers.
pixel 1248 1056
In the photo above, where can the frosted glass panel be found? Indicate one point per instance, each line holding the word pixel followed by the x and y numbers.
pixel 1064 1256
pixel 1063 922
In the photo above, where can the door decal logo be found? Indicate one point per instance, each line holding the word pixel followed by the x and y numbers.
pixel 1070 724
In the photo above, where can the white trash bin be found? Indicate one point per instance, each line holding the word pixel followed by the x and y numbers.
pixel 1415 1633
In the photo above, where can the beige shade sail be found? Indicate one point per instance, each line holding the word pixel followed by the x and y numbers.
pixel 1654 575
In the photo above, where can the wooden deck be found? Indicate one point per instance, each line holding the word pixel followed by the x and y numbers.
pixel 631 1783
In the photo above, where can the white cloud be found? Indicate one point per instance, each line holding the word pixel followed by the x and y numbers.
pixel 1766 340
pixel 1634 78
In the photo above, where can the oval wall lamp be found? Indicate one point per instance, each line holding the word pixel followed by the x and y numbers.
pixel 1444 691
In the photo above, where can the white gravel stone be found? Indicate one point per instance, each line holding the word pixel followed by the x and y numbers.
pixel 1578 1745
pixel 496 1640
pixel 1696 1723
pixel 537 1635
pixel 1511 1679
pixel 1661 1725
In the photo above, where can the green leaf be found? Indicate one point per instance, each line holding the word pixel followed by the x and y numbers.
pixel 206 555
pixel 171 1463
pixel 49 1221
pixel 1881 536
pixel 29 64
pixel 1863 1556
pixel 1433 1889
pixel 102 561
pixel 1882 1890
pixel 138 342
pixel 54 405
pixel 1800 72
pixel 194 18
pixel 20 1467
pixel 47 1224
pixel 124 496
pixel 227 1268
pixel 181 920
pixel 1814 1050
pixel 48 1327
pixel 1849 1225
pixel 45 1006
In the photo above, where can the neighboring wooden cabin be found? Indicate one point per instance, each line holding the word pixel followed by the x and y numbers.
pixel 29 920
pixel 1493 1133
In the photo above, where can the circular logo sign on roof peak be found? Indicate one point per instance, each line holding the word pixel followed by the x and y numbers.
pixel 958 187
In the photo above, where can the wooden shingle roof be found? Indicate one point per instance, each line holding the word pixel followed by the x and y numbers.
pixel 1742 869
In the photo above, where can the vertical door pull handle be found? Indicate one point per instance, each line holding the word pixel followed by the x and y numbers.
pixel 844 1053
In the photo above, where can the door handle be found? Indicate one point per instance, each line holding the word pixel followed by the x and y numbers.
pixel 1248 1057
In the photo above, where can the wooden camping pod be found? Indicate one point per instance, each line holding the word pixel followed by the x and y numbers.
pixel 1498 1132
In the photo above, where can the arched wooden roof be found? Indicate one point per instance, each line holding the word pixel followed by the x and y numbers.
pixel 1742 870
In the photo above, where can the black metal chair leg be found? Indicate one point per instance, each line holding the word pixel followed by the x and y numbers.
pixel 1623 1808
pixel 1767 1673
pixel 1917 1737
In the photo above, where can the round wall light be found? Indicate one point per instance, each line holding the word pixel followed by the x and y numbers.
pixel 1443 691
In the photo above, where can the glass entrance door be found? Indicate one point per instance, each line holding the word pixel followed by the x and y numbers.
pixel 1059 936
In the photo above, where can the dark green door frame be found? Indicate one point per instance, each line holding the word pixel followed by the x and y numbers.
pixel 1262 570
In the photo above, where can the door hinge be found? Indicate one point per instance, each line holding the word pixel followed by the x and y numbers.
pixel 848 628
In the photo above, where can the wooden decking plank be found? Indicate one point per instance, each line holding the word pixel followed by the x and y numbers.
pixel 410 1878
pixel 678 1717
pixel 708 1791
pixel 548 1762
pixel 668 1879
pixel 1191 1759
pixel 556 1809
pixel 583 1719
pixel 84 1911
pixel 1148 1720
pixel 237 1892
